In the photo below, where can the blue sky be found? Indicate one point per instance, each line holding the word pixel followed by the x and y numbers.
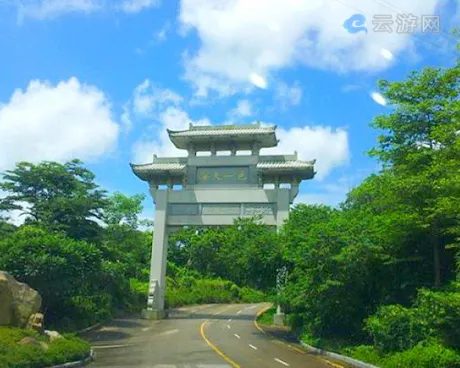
pixel 102 80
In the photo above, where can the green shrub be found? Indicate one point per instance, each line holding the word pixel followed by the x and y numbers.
pixel 364 353
pixel 297 322
pixel 441 311
pixel 424 355
pixel 266 318
pixel 13 355
pixel 248 295
pixel 395 328
pixel 58 267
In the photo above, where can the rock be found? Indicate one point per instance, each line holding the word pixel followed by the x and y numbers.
pixel 33 341
pixel 53 335
pixel 19 301
pixel 6 306
pixel 29 340
pixel 36 322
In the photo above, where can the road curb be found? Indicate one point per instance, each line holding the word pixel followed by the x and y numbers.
pixel 93 327
pixel 335 356
pixel 316 351
pixel 77 363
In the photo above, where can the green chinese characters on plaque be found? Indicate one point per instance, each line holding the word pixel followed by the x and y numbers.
pixel 222 175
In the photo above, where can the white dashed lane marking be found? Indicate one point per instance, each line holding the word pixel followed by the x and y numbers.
pixel 239 312
pixel 168 332
pixel 228 326
pixel 280 361
pixel 237 336
pixel 252 347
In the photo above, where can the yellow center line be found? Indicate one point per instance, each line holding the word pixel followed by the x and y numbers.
pixel 335 365
pixel 275 341
pixel 216 349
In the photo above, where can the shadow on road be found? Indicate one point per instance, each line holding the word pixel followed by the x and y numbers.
pixel 180 315
pixel 114 330
pixel 281 333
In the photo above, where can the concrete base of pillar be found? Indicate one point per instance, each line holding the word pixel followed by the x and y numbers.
pixel 153 314
pixel 278 319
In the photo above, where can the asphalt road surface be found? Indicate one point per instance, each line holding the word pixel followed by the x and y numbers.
pixel 209 336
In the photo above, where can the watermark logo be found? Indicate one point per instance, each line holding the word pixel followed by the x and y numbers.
pixel 402 23
pixel 355 23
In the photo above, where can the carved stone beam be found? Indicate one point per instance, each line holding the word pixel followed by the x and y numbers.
pixel 191 150
pixel 153 189
pixel 255 149
pixel 233 148
pixel 294 188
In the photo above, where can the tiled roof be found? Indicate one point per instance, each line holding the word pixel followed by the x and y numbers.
pixel 285 164
pixel 157 166
pixel 211 130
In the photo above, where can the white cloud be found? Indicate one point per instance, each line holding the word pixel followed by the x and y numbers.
pixel 148 99
pixel 46 9
pixel 56 122
pixel 135 6
pixel 287 95
pixel 165 108
pixel 49 9
pixel 328 199
pixel 241 37
pixel 160 35
pixel 328 146
pixel 125 117
pixel 331 193
pixel 173 118
pixel 242 109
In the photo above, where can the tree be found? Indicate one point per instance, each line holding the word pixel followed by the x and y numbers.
pixel 122 209
pixel 59 268
pixel 60 197
pixel 421 146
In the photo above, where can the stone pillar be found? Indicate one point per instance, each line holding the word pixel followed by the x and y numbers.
pixel 282 206
pixel 282 213
pixel 157 286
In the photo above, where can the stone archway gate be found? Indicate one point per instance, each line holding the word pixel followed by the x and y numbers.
pixel 216 189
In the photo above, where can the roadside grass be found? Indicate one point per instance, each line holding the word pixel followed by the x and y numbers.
pixel 38 355
pixel 266 318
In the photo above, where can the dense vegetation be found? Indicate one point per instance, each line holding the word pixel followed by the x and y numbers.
pixel 13 354
pixel 83 250
pixel 377 277
pixel 380 270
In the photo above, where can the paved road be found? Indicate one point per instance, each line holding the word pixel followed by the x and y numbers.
pixel 210 336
